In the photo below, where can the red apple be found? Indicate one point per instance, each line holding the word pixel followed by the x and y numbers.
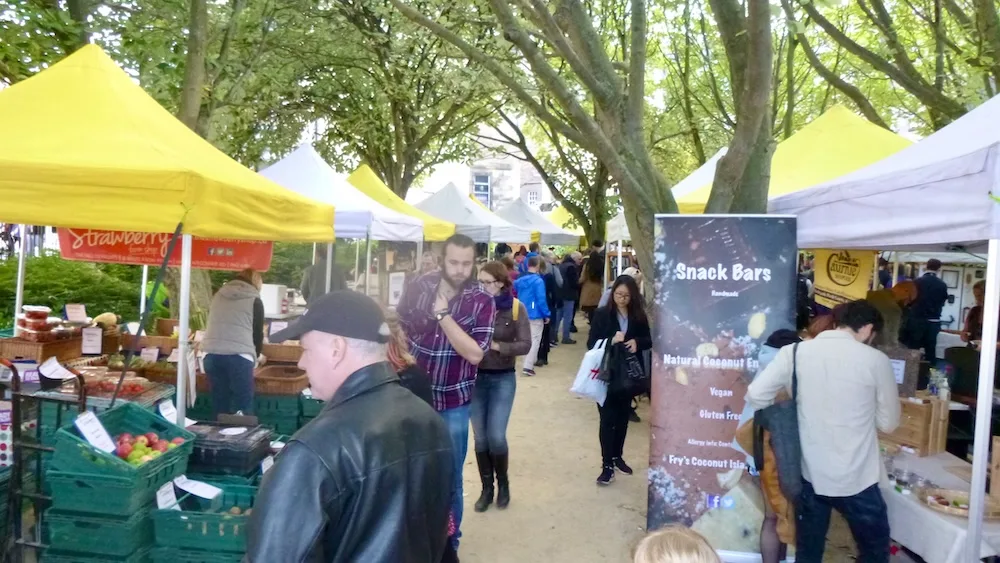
pixel 178 440
pixel 161 446
pixel 152 438
pixel 126 438
pixel 124 450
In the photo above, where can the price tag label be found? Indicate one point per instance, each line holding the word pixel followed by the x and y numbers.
pixel 899 370
pixel 94 432
pixel 93 340
pixel 307 392
pixel 52 369
pixel 76 312
pixel 266 464
pixel 166 499
pixel 197 488
pixel 5 412
pixel 276 326
pixel 169 412
pixel 150 355
pixel 175 356
pixel 27 370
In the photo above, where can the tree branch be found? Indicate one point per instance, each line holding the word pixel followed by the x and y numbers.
pixel 637 68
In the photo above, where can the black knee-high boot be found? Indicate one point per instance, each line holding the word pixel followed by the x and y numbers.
pixel 503 484
pixel 485 462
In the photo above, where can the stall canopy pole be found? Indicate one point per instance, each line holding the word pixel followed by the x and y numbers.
pixel 875 272
pixel 420 255
pixel 619 257
pixel 142 292
pixel 895 270
pixel 368 260
pixel 314 254
pixel 182 337
pixel 357 262
pixel 984 402
pixel 329 266
pixel 22 258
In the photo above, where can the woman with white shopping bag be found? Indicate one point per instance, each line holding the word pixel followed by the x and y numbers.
pixel 588 383
pixel 622 323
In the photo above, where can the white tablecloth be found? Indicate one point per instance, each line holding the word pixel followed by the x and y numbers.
pixel 935 536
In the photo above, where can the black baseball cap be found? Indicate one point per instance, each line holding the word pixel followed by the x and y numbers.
pixel 345 313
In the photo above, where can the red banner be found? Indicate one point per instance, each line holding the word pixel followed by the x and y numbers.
pixel 148 249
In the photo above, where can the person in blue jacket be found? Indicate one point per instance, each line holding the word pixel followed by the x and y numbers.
pixel 531 291
pixel 522 268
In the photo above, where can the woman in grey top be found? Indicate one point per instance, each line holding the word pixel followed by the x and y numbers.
pixel 232 343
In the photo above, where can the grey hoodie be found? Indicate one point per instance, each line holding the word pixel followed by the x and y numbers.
pixel 231 323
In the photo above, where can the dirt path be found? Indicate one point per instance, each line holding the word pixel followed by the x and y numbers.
pixel 557 512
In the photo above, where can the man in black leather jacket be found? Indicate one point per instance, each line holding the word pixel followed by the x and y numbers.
pixel 369 479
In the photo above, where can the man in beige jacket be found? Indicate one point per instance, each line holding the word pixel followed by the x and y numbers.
pixel 846 394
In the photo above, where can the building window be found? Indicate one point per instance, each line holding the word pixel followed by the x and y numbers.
pixel 481 188
pixel 532 197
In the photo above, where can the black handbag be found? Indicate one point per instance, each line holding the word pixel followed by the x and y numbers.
pixel 781 420
pixel 607 363
pixel 627 371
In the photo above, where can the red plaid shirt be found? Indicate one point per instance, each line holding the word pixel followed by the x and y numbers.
pixel 452 376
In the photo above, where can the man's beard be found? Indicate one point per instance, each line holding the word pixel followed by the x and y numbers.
pixel 455 284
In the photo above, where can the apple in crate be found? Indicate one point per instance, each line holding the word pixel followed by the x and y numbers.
pixel 141 441
pixel 161 446
pixel 178 441
pixel 123 450
pixel 152 438
pixel 125 438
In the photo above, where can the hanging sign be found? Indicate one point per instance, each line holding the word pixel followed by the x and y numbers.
pixel 723 285
pixel 842 276
pixel 148 249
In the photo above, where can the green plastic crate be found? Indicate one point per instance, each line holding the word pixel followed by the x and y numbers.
pixel 311 407
pixel 56 556
pixel 250 480
pixel 74 454
pixel 165 554
pixel 79 532
pixel 212 531
pixel 110 495
pixel 281 424
pixel 277 405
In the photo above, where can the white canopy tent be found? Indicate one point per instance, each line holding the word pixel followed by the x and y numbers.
pixel 471 218
pixel 945 258
pixel 937 194
pixel 521 214
pixel 357 215
pixel 617 229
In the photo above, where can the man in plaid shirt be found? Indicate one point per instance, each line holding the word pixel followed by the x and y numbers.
pixel 448 319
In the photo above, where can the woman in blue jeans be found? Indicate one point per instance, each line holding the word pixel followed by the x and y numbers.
pixel 233 341
pixel 493 396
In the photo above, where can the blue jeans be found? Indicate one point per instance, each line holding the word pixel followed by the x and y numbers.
pixel 492 401
pixel 230 376
pixel 457 421
pixel 865 513
pixel 564 315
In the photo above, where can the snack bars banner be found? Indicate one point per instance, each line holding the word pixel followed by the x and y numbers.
pixel 842 276
pixel 148 249
pixel 723 285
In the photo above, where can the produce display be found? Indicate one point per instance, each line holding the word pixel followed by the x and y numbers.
pixel 138 450
pixel 117 361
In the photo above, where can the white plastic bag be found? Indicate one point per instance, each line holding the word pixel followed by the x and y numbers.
pixel 586 384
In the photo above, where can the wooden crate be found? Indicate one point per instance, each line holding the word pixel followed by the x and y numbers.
pixel 18 349
pixel 165 327
pixel 923 425
pixel 166 344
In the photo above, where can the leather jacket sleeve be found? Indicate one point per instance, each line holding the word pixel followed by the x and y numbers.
pixel 292 511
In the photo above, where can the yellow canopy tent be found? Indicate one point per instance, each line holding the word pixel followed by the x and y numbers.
pixel 365 179
pixel 561 218
pixel 83 146
pixel 833 144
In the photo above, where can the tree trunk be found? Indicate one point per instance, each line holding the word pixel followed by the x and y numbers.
pixel 190 109
pixel 79 13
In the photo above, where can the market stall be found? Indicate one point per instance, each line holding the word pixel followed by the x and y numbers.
pixel 471 218
pixel 522 215
pixel 368 183
pixel 936 195
pixel 358 216
pixel 833 144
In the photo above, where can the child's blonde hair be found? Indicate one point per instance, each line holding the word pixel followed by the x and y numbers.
pixel 675 544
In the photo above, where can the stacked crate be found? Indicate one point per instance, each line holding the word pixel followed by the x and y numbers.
pixel 277 391
pixel 205 531
pixel 101 504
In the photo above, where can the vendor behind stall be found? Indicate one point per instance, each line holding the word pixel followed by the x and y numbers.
pixel 233 342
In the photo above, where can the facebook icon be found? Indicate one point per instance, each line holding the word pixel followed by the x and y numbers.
pixel 718 501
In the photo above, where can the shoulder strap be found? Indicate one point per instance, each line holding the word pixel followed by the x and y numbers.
pixel 795 378
pixel 516 308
